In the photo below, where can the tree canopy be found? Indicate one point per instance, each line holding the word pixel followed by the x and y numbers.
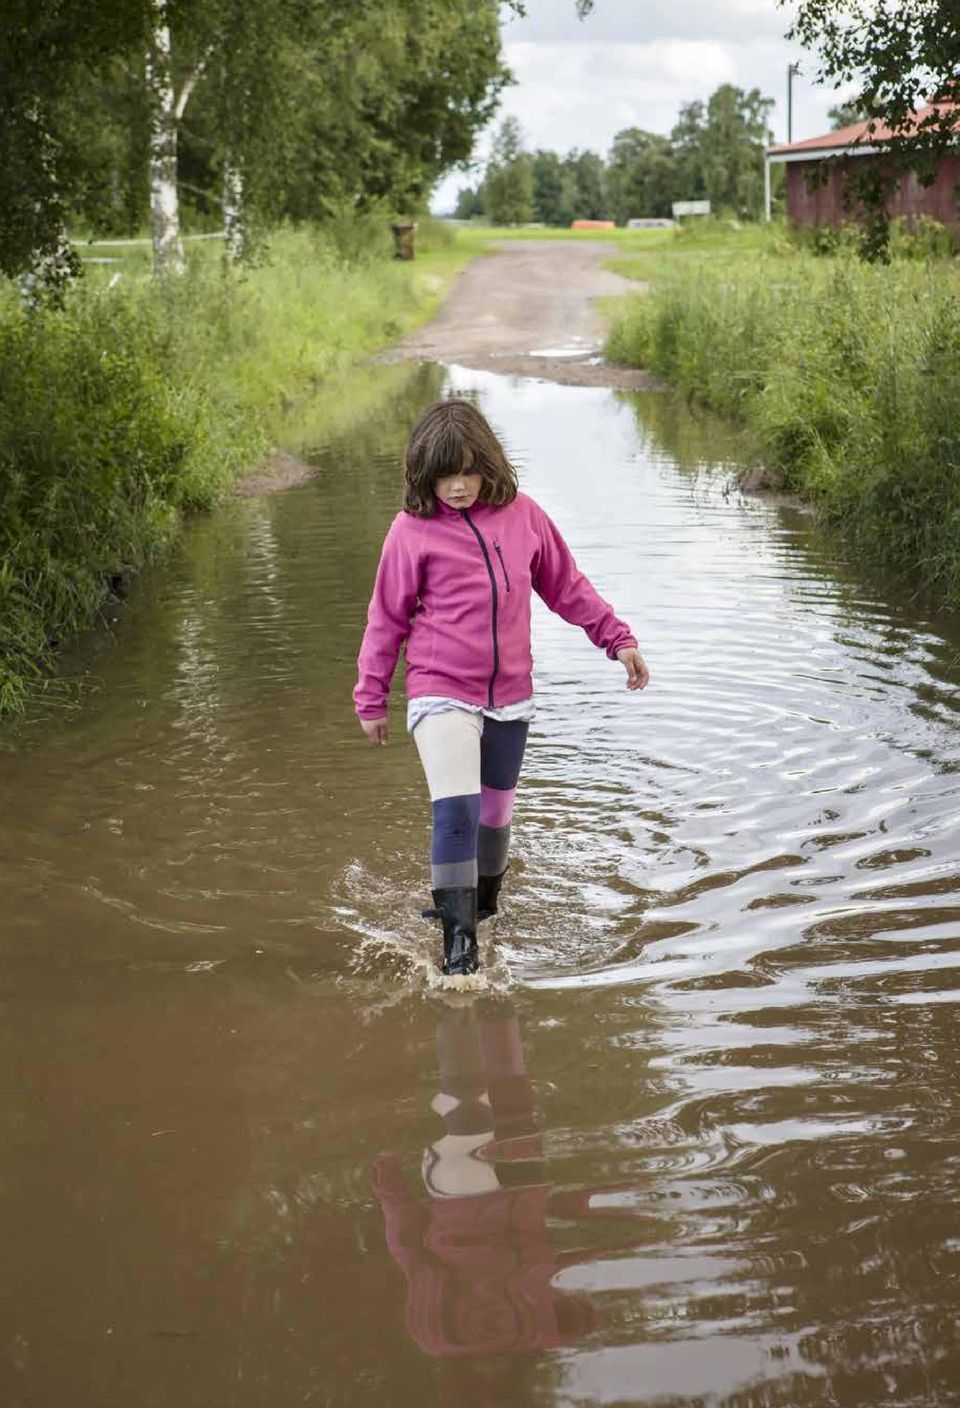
pixel 311 106
pixel 47 52
pixel 899 56
pixel 895 54
pixel 641 175
pixel 508 184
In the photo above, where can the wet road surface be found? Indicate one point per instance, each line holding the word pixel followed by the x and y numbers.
pixel 696 1144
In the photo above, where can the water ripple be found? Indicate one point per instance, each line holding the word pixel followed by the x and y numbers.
pixel 734 903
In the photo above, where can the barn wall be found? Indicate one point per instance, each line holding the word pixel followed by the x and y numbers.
pixel 824 204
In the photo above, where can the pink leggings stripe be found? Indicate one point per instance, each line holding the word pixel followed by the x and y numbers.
pixel 496 805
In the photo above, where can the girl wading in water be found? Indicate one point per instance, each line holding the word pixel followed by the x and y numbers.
pixel 454 582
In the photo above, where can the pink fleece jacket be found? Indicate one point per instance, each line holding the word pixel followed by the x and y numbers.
pixel 456 587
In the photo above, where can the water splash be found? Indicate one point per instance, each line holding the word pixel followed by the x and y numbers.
pixel 407 953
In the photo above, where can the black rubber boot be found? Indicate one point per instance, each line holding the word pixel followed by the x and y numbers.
pixel 488 891
pixel 457 911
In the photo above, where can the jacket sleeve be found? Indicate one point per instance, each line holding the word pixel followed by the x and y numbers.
pixel 564 588
pixel 391 606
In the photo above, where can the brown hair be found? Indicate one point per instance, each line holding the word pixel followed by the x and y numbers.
pixel 453 435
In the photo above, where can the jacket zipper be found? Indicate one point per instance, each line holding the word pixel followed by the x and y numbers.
pixel 503 565
pixel 496 603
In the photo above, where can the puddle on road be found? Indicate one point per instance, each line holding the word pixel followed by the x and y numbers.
pixel 694 1144
pixel 578 349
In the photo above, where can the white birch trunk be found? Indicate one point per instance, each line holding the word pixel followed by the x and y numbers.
pixel 233 221
pixel 164 205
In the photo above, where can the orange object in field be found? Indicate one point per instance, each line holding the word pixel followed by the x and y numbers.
pixel 593 225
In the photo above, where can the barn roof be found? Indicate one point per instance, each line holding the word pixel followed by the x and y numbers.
pixel 857 134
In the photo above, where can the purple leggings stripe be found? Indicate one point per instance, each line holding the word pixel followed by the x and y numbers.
pixel 455 822
pixel 501 753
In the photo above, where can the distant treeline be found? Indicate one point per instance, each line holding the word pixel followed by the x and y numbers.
pixel 714 152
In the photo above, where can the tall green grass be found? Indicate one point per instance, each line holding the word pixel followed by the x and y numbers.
pixel 137 402
pixel 847 376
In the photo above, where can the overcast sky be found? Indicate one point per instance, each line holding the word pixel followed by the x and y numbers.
pixel 633 62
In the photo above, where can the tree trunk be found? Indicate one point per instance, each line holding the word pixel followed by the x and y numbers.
pixel 233 218
pixel 164 205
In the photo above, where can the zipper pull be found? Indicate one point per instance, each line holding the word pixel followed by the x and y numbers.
pixel 503 565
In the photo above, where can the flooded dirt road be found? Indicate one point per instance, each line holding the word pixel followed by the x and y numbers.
pixel 696 1145
pixel 529 308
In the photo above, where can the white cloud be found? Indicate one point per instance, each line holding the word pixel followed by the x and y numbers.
pixel 640 21
pixel 580 95
pixel 632 63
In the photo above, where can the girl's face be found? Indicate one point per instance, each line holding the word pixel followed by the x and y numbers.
pixel 459 490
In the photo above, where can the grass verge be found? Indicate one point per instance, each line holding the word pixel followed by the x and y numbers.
pixel 846 376
pixel 137 402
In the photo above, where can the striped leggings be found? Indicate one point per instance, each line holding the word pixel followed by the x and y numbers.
pixel 472 764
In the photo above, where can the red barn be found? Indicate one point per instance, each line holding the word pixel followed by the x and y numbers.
pixel 823 205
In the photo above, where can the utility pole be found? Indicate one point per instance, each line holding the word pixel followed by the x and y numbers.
pixel 791 70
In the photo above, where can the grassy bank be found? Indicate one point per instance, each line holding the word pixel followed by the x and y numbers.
pixel 136 403
pixel 845 375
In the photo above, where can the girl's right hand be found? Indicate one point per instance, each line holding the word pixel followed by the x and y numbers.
pixel 375 729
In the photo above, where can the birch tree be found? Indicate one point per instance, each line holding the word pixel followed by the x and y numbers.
pixel 225 40
pixel 165 113
pixel 234 215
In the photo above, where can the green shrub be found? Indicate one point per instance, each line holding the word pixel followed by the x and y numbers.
pixel 826 240
pixel 848 377
pixel 136 402
pixel 921 238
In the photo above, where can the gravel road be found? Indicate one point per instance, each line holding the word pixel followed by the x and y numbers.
pixel 527 309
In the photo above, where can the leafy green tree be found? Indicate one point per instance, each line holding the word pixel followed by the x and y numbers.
pixel 469 203
pixel 110 127
pixel 382 107
pixel 508 183
pixel 718 148
pixel 249 110
pixel 588 178
pixel 845 115
pixel 442 87
pixel 47 51
pixel 736 132
pixel 552 196
pixel 892 52
pixel 686 145
pixel 641 175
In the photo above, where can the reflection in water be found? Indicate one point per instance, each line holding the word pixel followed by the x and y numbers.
pixel 477 1252
pixel 633 1281
pixel 731 935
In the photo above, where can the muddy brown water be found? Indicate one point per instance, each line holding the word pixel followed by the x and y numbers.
pixel 696 1144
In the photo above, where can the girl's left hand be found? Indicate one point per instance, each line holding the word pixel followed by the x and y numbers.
pixel 638 676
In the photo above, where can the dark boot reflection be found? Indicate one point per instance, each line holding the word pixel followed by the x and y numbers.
pixel 476 1252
